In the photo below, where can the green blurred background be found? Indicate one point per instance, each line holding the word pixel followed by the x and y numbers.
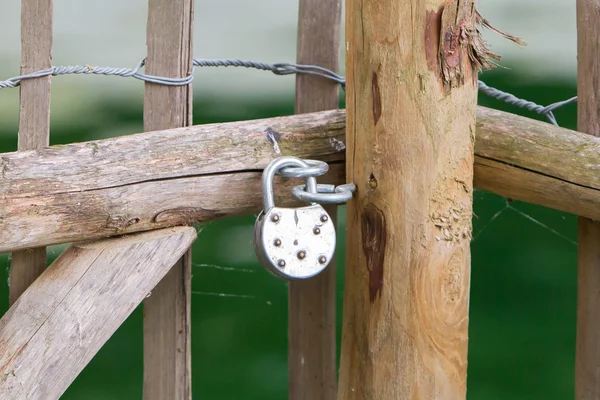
pixel 523 288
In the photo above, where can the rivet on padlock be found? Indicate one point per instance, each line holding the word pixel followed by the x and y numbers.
pixel 292 243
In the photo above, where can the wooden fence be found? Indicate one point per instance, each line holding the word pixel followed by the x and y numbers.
pixel 416 145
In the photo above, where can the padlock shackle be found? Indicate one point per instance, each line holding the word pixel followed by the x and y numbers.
pixel 269 175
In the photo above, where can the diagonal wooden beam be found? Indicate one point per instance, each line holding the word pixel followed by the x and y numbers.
pixel 158 179
pixel 61 321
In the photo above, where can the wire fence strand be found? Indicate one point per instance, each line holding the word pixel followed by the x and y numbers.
pixel 276 68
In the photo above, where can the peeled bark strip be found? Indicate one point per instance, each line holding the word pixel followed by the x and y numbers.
pixel 411 131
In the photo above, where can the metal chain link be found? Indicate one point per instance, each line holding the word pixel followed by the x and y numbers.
pixel 325 194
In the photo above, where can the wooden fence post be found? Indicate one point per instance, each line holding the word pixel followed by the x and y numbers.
pixel 587 374
pixel 311 306
pixel 411 100
pixel 34 121
pixel 167 351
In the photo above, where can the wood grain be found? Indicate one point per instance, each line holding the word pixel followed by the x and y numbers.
pixel 311 307
pixel 34 120
pixel 61 321
pixel 167 325
pixel 411 132
pixel 98 189
pixel 168 154
pixel 587 374
pixel 519 184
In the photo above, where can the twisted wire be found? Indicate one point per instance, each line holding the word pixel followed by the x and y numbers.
pixel 276 68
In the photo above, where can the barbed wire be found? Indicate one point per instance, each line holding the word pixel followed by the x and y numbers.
pixel 277 69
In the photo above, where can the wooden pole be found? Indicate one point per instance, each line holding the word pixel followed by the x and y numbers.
pixel 311 307
pixel 411 100
pixel 63 319
pixel 167 337
pixel 587 373
pixel 34 121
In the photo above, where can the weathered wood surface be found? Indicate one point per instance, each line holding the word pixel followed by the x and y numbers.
pixel 61 321
pixel 411 131
pixel 167 314
pixel 167 154
pixel 312 362
pixel 587 355
pixel 36 54
pixel 153 180
pixel 34 121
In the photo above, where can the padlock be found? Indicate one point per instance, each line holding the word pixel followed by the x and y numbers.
pixel 292 243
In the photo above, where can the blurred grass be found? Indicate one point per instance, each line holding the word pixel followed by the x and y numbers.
pixel 523 286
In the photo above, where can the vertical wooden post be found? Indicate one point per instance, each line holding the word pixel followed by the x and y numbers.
pixel 587 374
pixel 311 306
pixel 167 358
pixel 411 99
pixel 34 121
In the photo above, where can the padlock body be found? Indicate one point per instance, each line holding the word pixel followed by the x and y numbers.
pixel 295 243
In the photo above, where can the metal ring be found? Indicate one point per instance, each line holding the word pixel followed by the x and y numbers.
pixel 317 168
pixel 326 194
pixel 270 171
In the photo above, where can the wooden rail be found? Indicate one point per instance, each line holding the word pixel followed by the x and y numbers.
pixel 61 321
pixel 411 125
pixel 98 189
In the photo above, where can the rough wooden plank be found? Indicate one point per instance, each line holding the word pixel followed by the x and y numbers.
pixel 132 208
pixel 168 154
pixel 61 321
pixel 242 146
pixel 519 184
pixel 96 189
pixel 311 306
pixel 34 120
pixel 587 373
pixel 167 297
pixel 410 153
pixel 167 325
pixel 536 146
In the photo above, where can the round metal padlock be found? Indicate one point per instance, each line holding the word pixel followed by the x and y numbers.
pixel 292 243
